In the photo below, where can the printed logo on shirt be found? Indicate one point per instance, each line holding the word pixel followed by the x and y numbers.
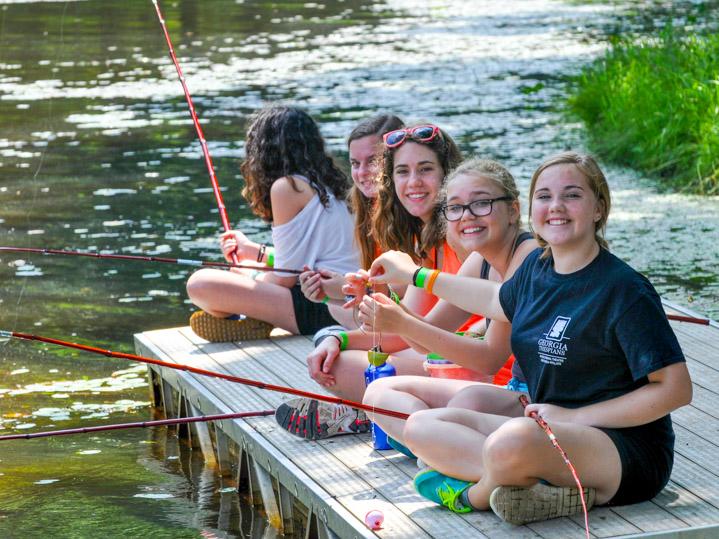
pixel 552 350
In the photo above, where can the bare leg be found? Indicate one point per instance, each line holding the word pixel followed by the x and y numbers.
pixel 411 393
pixel 343 317
pixel 348 370
pixel 223 293
pixel 498 450
pixel 591 451
pixel 450 440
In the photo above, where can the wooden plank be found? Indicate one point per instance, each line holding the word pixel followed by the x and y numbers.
pixel 647 516
pixel 347 469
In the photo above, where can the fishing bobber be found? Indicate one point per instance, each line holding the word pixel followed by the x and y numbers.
pixel 374 519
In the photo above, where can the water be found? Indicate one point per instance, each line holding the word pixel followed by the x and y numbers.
pixel 97 153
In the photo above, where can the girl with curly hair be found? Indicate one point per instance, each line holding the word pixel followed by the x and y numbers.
pixel 292 183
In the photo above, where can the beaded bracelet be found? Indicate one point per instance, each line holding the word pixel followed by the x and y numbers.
pixel 326 299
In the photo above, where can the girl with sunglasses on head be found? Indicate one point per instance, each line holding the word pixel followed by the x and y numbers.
pixel 603 368
pixel 482 215
pixel 365 146
pixel 490 227
pixel 292 183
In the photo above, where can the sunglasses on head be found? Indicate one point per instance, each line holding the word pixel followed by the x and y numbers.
pixel 420 133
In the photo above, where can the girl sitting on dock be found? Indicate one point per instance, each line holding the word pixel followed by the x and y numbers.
pixel 291 182
pixel 603 368
pixel 365 146
pixel 482 212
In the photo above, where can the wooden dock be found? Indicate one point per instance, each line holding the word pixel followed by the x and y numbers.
pixel 324 489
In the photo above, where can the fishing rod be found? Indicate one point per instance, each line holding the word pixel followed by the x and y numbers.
pixel 138 424
pixel 198 129
pixel 203 372
pixel 181 261
pixel 552 438
pixel 690 319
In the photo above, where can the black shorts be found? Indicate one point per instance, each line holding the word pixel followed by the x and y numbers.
pixel 310 316
pixel 647 456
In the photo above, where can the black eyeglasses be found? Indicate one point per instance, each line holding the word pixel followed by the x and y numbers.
pixel 478 208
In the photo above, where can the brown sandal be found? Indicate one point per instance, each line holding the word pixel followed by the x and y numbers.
pixel 215 329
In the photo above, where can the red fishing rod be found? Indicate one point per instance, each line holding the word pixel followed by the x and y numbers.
pixel 204 372
pixel 138 424
pixel 180 261
pixel 552 438
pixel 690 319
pixel 200 134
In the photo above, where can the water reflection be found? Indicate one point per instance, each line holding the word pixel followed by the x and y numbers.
pixel 97 153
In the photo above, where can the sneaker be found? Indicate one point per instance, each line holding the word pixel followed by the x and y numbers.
pixel 232 329
pixel 520 505
pixel 315 420
pixel 442 489
pixel 397 446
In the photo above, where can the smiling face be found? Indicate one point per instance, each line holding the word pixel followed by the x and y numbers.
pixel 363 163
pixel 417 177
pixel 564 208
pixel 489 232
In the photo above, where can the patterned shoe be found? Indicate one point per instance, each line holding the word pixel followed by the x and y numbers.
pixel 215 329
pixel 520 505
pixel 442 489
pixel 315 420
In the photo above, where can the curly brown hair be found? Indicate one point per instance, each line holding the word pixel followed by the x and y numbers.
pixel 393 226
pixel 360 205
pixel 282 141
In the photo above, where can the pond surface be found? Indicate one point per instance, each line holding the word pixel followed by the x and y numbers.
pixel 97 153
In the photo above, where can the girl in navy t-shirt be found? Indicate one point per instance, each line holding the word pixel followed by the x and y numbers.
pixel 602 365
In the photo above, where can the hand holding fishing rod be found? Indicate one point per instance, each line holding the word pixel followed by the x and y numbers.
pixel 200 135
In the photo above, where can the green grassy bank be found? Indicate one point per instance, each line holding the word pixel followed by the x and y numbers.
pixel 654 105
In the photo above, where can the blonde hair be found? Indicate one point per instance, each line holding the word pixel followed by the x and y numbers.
pixel 597 182
pixel 479 168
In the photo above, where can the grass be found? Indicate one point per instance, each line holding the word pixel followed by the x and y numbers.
pixel 654 105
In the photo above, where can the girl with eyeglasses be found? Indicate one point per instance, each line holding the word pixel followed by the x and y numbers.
pixel 364 145
pixel 292 183
pixel 482 215
pixel 603 368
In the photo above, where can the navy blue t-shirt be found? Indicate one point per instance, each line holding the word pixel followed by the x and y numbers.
pixel 587 336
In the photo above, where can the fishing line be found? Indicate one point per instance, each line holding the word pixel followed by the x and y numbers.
pixel 137 424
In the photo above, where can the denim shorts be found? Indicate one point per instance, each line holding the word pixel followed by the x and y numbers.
pixel 515 384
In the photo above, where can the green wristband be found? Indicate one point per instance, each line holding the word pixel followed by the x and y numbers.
pixel 271 257
pixel 344 340
pixel 421 276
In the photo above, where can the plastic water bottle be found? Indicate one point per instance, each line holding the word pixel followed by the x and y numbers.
pixel 378 368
